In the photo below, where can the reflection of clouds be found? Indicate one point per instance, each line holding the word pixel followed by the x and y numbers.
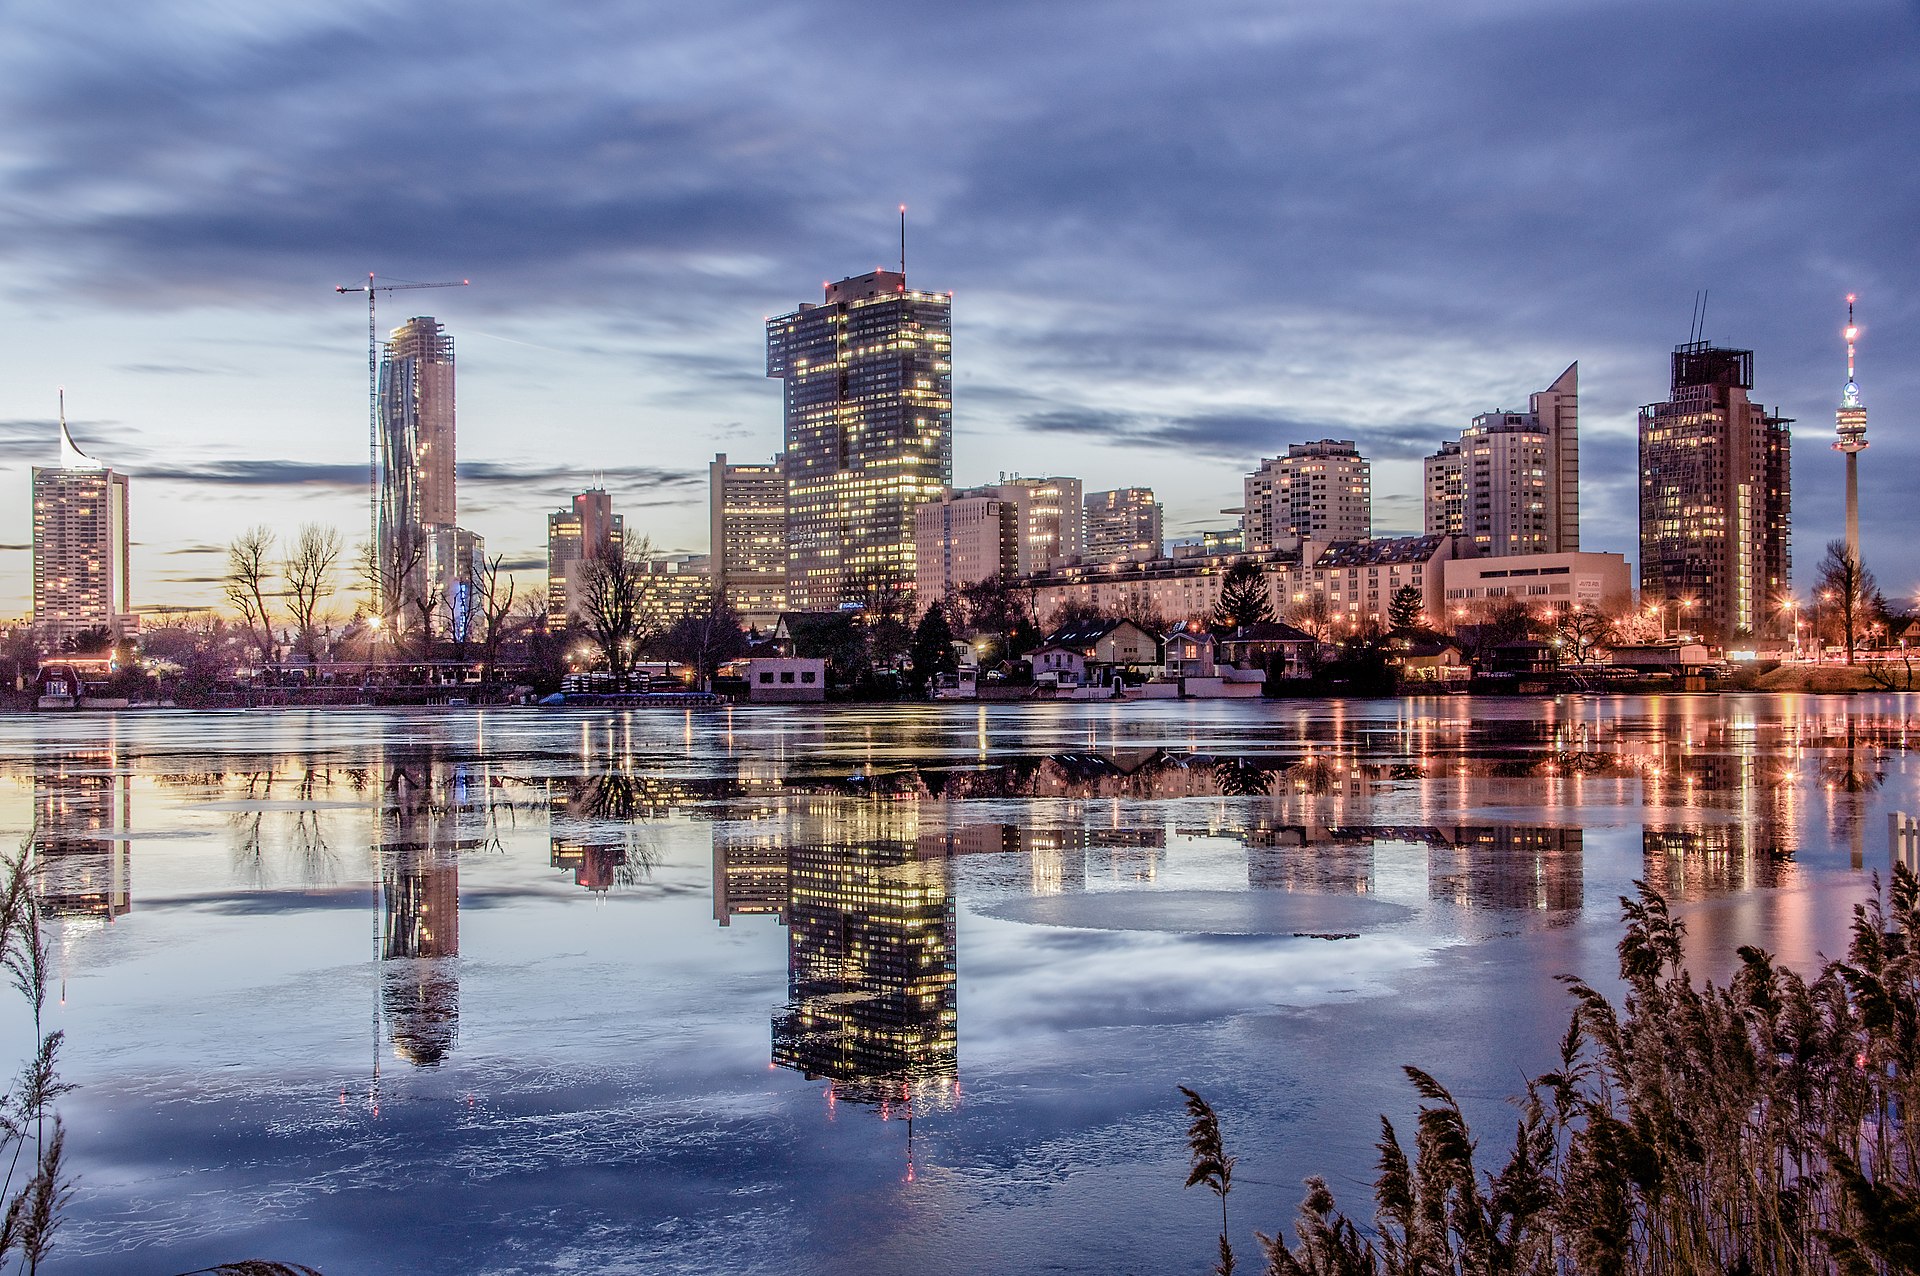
pixel 1105 979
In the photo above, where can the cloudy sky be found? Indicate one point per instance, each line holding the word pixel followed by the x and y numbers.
pixel 1179 237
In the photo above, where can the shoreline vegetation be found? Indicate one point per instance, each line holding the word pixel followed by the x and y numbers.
pixel 1764 1127
pixel 32 1136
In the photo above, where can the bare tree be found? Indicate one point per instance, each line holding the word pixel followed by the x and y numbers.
pixel 1312 615
pixel 616 613
pixel 494 592
pixel 1848 588
pixel 249 573
pixel 391 581
pixel 705 640
pixel 21 649
pixel 309 574
pixel 1581 630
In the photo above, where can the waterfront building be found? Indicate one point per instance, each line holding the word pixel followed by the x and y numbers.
pixel 80 546
pixel 1715 496
pixel 867 401
pixel 1125 523
pixel 747 510
pixel 1318 491
pixel 1511 484
pixel 1359 578
pixel 1355 579
pixel 964 537
pixel 1559 581
pixel 574 536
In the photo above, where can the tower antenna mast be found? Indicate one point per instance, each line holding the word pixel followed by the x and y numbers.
pixel 1850 423
pixel 375 586
pixel 903 241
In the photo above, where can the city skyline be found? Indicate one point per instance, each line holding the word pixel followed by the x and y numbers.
pixel 1166 298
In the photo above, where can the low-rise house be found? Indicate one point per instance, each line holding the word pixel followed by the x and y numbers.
pixel 1280 649
pixel 1524 659
pixel 1188 655
pixel 1429 658
pixel 785 679
pixel 1058 667
pixel 1111 647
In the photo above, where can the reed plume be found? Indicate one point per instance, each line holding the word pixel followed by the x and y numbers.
pixel 1764 1127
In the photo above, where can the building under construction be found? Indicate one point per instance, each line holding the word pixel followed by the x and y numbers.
pixel 1715 487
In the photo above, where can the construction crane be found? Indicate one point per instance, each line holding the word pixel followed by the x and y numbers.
pixel 373 289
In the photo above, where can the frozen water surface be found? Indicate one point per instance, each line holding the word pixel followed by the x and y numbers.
pixel 858 990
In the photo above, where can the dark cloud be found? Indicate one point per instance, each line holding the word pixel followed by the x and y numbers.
pixel 174 370
pixel 1238 438
pixel 548 472
pixel 263 474
pixel 13 548
pixel 353 476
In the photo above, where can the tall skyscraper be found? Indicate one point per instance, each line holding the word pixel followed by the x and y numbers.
pixel 416 456
pixel 1511 485
pixel 1715 480
pixel 868 406
pixel 1125 523
pixel 1320 491
pixel 80 545
pixel 574 535
pixel 1850 423
pixel 747 505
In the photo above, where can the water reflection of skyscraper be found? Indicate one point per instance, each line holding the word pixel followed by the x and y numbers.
pixel 870 941
pixel 419 830
pixel 83 804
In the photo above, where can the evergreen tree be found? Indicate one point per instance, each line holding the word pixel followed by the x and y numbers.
pixel 1243 597
pixel 1404 609
pixel 932 648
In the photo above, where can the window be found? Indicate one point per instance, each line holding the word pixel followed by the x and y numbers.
pixel 766 678
pixel 786 675
pixel 807 676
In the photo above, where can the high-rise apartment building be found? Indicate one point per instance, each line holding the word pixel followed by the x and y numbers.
pixel 1125 523
pixel 747 505
pixel 1511 485
pixel 1446 491
pixel 1053 519
pixel 574 536
pixel 868 408
pixel 419 568
pixel 1320 491
pixel 1715 488
pixel 80 545
pixel 963 538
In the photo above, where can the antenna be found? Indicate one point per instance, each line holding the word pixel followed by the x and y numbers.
pixel 903 240
pixel 1693 319
pixel 1705 293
